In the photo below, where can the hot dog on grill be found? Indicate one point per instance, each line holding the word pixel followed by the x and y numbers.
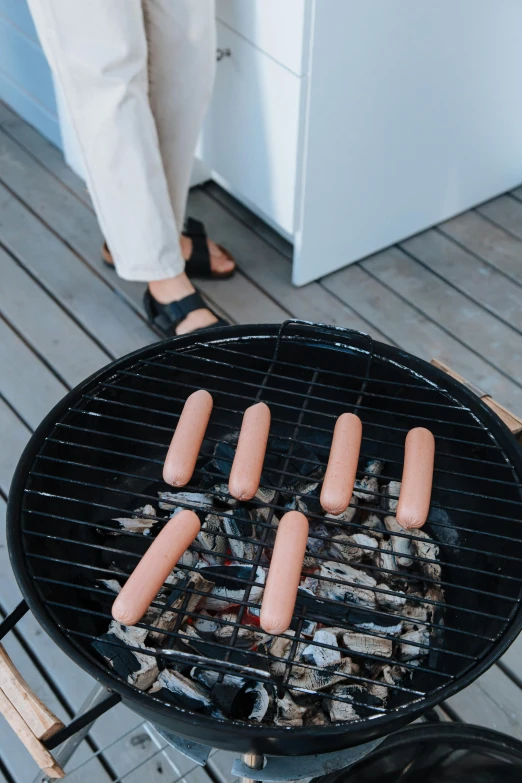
pixel 250 452
pixel 143 584
pixel 284 573
pixel 417 478
pixel 340 473
pixel 187 439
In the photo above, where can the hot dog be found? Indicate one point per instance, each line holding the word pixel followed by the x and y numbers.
pixel 284 574
pixel 143 584
pixel 187 439
pixel 342 464
pixel 250 452
pixel 417 478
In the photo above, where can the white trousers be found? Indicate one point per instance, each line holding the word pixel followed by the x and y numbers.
pixel 136 77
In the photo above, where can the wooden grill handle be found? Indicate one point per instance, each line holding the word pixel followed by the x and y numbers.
pixel 511 421
pixel 28 716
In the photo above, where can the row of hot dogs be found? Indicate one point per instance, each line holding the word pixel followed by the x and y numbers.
pixel 292 534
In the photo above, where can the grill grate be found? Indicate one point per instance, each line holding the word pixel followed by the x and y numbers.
pixel 104 458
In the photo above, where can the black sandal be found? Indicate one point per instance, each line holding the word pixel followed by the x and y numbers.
pixel 198 264
pixel 166 317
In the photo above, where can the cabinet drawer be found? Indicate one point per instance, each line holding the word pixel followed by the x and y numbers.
pixel 251 133
pixel 275 26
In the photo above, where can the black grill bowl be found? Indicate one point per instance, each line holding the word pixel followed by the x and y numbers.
pixel 100 453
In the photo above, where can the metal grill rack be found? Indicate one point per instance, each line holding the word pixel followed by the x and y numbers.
pixel 101 458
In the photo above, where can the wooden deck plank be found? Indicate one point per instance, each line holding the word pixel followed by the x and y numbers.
pixel 254 223
pixel 43 150
pixel 492 701
pixel 487 241
pixel 480 281
pixel 512 660
pixel 415 333
pixel 85 296
pixel 26 383
pixel 506 212
pixel 76 224
pixel 480 331
pixel 45 326
pixel 271 271
pixel 14 438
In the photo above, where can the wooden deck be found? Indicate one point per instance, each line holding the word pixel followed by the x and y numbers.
pixel 453 292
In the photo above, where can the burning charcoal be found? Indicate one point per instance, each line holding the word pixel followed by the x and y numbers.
pixel 367 488
pixel 428 549
pixel 308 627
pixel 306 499
pixel 246 635
pixel 401 546
pixel 181 596
pixel 340 710
pixel 373 467
pixel 110 584
pixel 393 674
pixel 385 559
pixel 380 624
pixel 205 625
pixel 361 644
pixel 392 492
pixel 322 656
pixel 218 651
pixel 136 523
pixel 342 592
pixel 409 648
pixel 136 668
pixel 220 492
pixel 317 545
pixel 316 717
pixel 281 647
pixel 173 686
pixel 379 691
pixel 190 559
pixel 389 600
pixel 418 612
pixel 227 591
pixel 169 501
pixel 310 584
pixel 288 712
pixel 259 700
pixel 366 703
pixel 265 495
pixel 209 678
pixel 375 525
pixel 348 548
pixel 347 515
pixel 240 524
pixel 320 680
pixel 212 539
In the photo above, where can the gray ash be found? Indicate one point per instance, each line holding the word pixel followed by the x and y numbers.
pixel 368 613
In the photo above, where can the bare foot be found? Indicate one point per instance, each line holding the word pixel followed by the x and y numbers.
pixel 172 290
pixel 220 263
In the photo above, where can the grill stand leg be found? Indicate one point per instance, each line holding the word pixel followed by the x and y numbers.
pixel 66 750
pixel 253 762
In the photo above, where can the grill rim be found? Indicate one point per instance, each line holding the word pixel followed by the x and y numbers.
pixel 273 740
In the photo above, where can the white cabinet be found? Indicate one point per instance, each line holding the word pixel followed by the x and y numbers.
pixel 252 129
pixel 350 124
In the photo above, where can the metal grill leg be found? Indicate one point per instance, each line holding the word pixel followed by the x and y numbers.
pixel 254 762
pixel 67 749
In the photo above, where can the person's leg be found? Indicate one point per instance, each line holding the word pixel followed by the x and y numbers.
pixel 180 90
pixel 98 52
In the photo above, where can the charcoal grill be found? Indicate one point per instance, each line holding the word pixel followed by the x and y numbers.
pixel 100 452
